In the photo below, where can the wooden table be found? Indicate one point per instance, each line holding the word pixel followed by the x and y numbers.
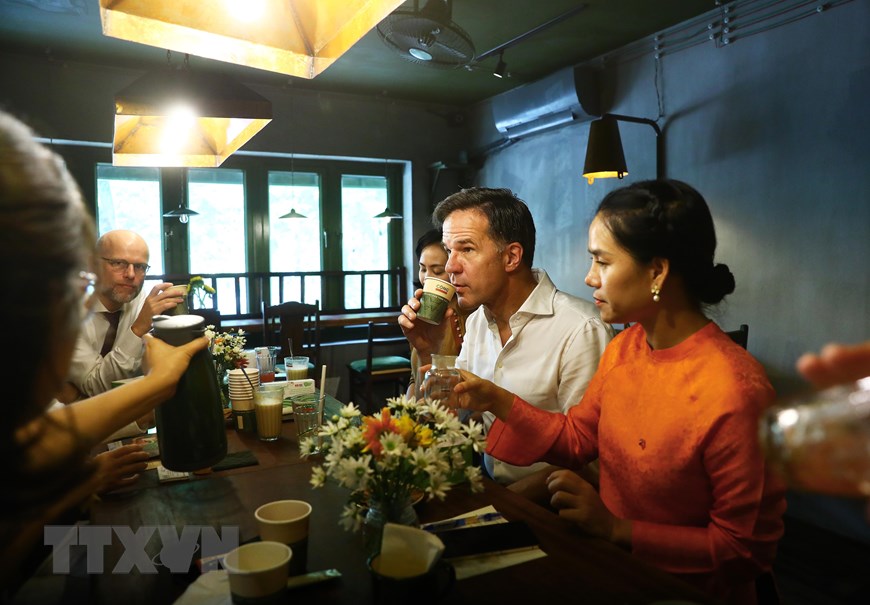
pixel 577 569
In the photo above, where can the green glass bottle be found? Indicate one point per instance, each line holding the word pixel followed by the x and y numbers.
pixel 191 430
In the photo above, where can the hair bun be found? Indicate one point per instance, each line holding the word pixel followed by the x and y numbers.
pixel 720 284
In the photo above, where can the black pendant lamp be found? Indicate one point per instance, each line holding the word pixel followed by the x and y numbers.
pixel 604 155
pixel 292 214
pixel 388 214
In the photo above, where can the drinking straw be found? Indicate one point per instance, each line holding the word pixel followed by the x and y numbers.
pixel 248 378
pixel 290 346
pixel 322 387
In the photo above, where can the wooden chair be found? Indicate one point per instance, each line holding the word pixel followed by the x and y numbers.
pixel 740 335
pixel 212 317
pixel 297 322
pixel 617 330
pixel 378 369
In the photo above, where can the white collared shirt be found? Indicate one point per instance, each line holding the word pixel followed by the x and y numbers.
pixel 556 342
pixel 93 374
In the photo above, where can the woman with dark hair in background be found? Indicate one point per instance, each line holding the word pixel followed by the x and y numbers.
pixel 672 412
pixel 47 254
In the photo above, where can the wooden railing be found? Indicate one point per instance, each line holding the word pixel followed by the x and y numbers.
pixel 240 295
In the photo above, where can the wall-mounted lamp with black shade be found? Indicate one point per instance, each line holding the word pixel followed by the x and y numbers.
pixel 604 155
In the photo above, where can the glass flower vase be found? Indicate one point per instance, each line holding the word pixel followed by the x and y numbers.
pixel 380 512
pixel 223 385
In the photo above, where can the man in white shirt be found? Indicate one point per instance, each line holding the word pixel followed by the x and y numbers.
pixel 526 336
pixel 101 356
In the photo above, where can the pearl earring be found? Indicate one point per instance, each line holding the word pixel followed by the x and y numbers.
pixel 655 292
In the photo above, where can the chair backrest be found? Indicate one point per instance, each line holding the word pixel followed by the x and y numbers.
pixel 616 330
pixel 212 317
pixel 294 322
pixel 740 335
pixel 382 335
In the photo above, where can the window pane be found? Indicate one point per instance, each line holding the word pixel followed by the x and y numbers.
pixel 294 243
pixel 129 198
pixel 217 234
pixel 365 242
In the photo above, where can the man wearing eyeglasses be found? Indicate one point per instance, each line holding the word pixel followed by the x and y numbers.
pixel 110 347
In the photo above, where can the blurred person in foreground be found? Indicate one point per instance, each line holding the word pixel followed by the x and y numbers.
pixel 835 364
pixel 525 335
pixel 672 412
pixel 47 250
pixel 432 258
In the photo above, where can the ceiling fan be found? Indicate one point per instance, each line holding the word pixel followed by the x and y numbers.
pixel 428 36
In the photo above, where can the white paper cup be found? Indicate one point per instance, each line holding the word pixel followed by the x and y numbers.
pixel 242 405
pixel 287 521
pixel 437 294
pixel 239 386
pixel 181 292
pixel 258 570
pixel 238 374
pixel 177 290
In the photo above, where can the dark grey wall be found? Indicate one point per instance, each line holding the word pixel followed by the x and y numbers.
pixel 774 131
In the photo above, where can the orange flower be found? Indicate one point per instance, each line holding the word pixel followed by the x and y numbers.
pixel 374 428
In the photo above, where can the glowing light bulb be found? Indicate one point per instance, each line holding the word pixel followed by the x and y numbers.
pixel 184 218
pixel 788 418
pixel 180 121
pixel 246 11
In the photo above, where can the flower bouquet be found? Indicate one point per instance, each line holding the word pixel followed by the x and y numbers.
pixel 228 351
pixel 227 348
pixel 199 291
pixel 410 446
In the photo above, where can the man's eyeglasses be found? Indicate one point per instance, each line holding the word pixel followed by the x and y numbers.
pixel 119 265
